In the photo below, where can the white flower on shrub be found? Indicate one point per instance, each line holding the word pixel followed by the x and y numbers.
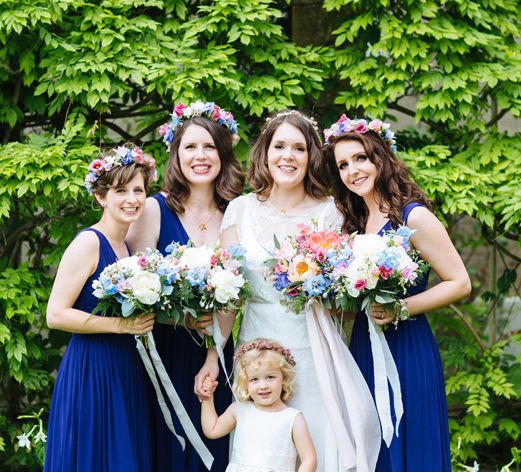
pixel 23 441
pixel 146 287
pixel 227 284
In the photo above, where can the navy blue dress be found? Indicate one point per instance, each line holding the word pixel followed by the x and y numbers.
pixel 423 442
pixel 99 419
pixel 183 358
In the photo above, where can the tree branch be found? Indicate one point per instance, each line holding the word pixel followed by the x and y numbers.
pixel 440 129
pixel 469 326
pixel 114 127
pixel 149 129
pixel 498 116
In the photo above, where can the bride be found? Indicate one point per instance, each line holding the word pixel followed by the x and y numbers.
pixel 288 179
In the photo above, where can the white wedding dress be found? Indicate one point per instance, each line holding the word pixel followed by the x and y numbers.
pixel 256 223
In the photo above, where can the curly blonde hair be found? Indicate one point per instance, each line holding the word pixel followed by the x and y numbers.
pixel 256 357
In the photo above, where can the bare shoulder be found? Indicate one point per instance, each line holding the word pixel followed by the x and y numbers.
pixel 85 247
pixel 145 231
pixel 420 217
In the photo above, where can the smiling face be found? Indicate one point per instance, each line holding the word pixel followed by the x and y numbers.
pixel 126 202
pixel 198 156
pixel 357 172
pixel 265 381
pixel 288 157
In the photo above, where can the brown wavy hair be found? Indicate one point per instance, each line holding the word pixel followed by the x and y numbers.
pixel 393 183
pixel 228 184
pixel 259 177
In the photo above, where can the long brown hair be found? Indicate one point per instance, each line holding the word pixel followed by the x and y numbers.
pixel 393 183
pixel 228 184
pixel 259 177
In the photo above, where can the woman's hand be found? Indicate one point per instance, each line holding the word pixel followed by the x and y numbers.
pixel 141 324
pixel 380 315
pixel 209 369
pixel 200 323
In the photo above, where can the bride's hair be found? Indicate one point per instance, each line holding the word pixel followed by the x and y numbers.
pixel 393 183
pixel 259 177
pixel 256 353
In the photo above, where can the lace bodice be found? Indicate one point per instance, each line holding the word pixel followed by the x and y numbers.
pixel 257 223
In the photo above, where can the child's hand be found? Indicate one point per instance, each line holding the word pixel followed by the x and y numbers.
pixel 209 385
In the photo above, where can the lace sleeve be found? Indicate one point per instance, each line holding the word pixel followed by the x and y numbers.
pixel 333 219
pixel 232 214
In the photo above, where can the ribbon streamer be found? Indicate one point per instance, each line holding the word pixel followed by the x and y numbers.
pixel 151 359
pixel 347 399
pixel 385 371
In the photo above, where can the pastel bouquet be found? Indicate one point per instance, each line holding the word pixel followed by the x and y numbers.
pixel 302 267
pixel 378 268
pixel 133 285
pixel 207 279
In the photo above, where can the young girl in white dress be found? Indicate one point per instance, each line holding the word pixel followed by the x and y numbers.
pixel 268 434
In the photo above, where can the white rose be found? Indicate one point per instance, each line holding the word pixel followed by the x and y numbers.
pixel 368 245
pixel 146 287
pixel 197 256
pixel 227 285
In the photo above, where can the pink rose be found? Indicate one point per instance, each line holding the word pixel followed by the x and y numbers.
pixel 179 110
pixel 361 128
pixel 96 166
pixel 163 129
pixel 216 114
pixel 360 284
pixel 142 261
pixel 385 273
pixel 214 260
pixel 375 125
pixel 293 292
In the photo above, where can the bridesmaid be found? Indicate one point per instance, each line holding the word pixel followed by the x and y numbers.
pixel 374 192
pixel 202 176
pixel 99 418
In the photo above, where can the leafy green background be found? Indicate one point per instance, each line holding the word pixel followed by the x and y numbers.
pixel 76 75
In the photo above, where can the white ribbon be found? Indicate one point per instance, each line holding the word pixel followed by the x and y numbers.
pixel 219 345
pixel 149 357
pixel 347 399
pixel 385 371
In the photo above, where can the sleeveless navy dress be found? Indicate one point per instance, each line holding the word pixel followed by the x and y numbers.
pixel 183 358
pixel 423 441
pixel 99 418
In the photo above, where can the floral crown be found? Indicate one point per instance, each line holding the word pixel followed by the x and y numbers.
pixel 309 119
pixel 119 156
pixel 264 345
pixel 208 110
pixel 345 125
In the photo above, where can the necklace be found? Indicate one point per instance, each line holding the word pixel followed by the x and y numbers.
pixel 202 225
pixel 284 211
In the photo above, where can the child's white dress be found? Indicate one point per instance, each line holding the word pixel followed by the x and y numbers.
pixel 262 440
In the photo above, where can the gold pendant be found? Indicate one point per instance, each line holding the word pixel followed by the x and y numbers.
pixel 202 227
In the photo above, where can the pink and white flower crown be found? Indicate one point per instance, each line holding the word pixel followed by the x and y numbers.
pixel 264 345
pixel 208 110
pixel 119 156
pixel 362 126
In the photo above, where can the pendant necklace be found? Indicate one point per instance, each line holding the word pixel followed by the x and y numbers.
pixel 202 225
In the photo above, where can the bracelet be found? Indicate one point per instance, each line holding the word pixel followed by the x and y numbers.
pixel 401 312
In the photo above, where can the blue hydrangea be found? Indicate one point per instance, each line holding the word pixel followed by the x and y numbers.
pixel 237 250
pixel 316 285
pixel 197 276
pixel 390 259
pixel 128 158
pixel 282 282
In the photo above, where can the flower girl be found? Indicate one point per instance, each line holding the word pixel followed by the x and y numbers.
pixel 268 434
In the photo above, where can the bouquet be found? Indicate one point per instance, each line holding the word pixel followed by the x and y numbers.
pixel 133 285
pixel 302 267
pixel 207 279
pixel 377 269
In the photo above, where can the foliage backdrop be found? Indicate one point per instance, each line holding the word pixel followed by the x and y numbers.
pixel 76 74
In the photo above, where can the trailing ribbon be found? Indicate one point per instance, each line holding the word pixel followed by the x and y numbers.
pixel 385 371
pixel 219 345
pixel 151 359
pixel 347 399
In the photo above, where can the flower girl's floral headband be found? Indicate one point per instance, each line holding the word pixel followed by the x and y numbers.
pixel 264 345
pixel 119 156
pixel 345 125
pixel 208 110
